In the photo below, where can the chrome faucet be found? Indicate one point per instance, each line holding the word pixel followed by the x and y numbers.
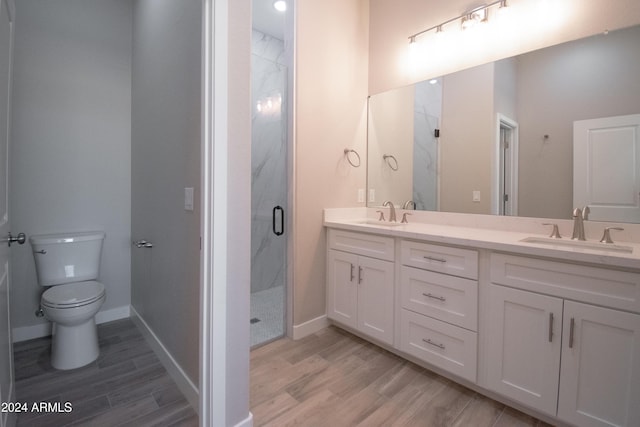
pixel 392 210
pixel 579 216
pixel 409 204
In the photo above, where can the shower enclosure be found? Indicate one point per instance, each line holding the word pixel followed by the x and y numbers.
pixel 269 188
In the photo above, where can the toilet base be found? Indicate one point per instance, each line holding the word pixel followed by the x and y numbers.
pixel 74 346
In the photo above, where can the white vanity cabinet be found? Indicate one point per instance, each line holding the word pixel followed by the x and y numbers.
pixel 551 351
pixel 438 312
pixel 556 332
pixel 360 283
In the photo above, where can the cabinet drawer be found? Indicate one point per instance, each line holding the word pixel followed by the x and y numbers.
pixel 447 298
pixel 600 286
pixel 370 245
pixel 443 345
pixel 442 259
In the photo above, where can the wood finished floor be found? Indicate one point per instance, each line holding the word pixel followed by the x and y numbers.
pixel 125 386
pixel 333 378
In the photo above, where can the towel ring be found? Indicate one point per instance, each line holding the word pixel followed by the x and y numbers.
pixel 347 152
pixel 386 158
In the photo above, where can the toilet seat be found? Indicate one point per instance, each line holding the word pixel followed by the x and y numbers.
pixel 73 295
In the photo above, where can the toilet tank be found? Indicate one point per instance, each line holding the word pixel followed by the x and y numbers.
pixel 67 257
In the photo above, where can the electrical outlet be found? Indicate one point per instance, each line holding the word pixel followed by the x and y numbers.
pixel 372 195
pixel 361 195
pixel 476 196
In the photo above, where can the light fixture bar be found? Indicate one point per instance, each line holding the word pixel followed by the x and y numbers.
pixel 502 3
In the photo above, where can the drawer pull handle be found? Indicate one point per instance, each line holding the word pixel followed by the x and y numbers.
pixel 430 258
pixel 352 274
pixel 550 327
pixel 428 341
pixel 443 299
pixel 572 326
pixel 360 275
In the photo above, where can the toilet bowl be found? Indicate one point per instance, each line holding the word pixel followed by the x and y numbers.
pixel 72 308
pixel 69 263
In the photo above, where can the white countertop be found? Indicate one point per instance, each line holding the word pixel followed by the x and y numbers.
pixel 498 240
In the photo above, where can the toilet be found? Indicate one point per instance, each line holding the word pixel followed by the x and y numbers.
pixel 68 263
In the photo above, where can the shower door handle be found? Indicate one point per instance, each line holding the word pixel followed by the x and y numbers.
pixel 277 232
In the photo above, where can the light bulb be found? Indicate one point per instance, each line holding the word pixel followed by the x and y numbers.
pixel 280 5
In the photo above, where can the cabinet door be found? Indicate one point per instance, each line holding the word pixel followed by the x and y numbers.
pixel 375 299
pixel 342 287
pixel 600 373
pixel 523 353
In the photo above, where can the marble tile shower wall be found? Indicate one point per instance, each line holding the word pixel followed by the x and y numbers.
pixel 426 118
pixel 268 160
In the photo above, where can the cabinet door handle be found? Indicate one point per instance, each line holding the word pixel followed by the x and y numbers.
pixel 430 258
pixel 360 275
pixel 572 326
pixel 550 327
pixel 443 299
pixel 352 275
pixel 428 341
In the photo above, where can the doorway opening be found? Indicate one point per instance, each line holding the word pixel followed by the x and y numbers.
pixel 507 176
pixel 269 173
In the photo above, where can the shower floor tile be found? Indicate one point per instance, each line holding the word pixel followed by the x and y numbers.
pixel 267 315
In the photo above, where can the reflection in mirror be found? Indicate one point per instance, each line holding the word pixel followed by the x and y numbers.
pixel 506 134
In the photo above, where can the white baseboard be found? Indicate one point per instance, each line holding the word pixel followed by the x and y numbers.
pixel 183 382
pixel 117 313
pixel 247 422
pixel 310 327
pixel 40 330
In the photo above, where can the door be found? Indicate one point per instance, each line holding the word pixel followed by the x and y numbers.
pixel 6 348
pixel 269 187
pixel 524 346
pixel 606 167
pixel 600 374
pixel 375 298
pixel 342 287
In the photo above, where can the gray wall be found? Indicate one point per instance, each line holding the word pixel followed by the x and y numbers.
pixel 466 140
pixel 70 159
pixel 165 160
pixel 586 79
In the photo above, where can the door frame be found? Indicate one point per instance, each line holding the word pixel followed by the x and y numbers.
pixel 509 124
pixel 226 213
pixel 8 418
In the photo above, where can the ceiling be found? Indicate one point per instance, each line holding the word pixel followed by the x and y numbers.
pixel 268 20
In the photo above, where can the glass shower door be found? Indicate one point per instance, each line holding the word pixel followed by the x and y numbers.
pixel 269 189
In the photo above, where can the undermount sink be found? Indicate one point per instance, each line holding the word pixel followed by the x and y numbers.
pixel 578 244
pixel 370 221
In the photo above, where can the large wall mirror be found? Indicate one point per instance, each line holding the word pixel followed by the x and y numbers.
pixel 501 138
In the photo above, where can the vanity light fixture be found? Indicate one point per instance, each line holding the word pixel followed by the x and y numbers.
pixel 280 5
pixel 467 20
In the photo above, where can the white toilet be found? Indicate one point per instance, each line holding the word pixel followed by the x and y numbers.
pixel 69 263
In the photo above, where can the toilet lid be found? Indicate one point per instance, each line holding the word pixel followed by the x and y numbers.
pixel 73 294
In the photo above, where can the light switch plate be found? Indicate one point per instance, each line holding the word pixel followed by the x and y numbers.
pixel 372 195
pixel 476 196
pixel 188 199
pixel 361 195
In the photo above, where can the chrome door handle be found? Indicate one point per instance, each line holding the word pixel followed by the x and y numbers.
pixel 20 239
pixel 143 244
